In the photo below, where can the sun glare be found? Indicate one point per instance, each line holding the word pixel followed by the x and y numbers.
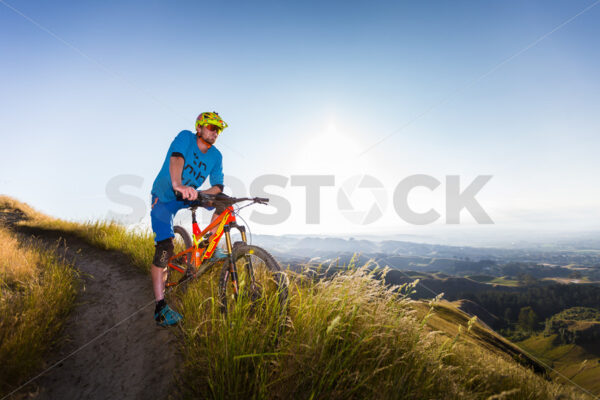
pixel 329 151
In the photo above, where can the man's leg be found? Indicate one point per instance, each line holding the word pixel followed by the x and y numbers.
pixel 163 314
pixel 218 253
pixel 162 225
pixel 218 211
pixel 159 277
pixel 213 218
pixel 163 251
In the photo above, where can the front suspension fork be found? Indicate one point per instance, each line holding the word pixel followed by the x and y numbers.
pixel 232 268
pixel 242 230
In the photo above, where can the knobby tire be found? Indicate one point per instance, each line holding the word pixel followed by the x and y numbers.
pixel 270 278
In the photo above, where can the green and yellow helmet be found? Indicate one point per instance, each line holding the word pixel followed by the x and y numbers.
pixel 211 118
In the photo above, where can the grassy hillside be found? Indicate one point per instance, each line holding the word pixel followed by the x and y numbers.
pixel 580 325
pixel 37 290
pixel 107 235
pixel 449 317
pixel 578 363
pixel 347 336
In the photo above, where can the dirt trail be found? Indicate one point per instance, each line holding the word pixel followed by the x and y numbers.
pixel 136 359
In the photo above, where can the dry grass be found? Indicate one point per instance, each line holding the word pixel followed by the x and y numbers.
pixel 107 235
pixel 10 204
pixel 579 364
pixel 346 337
pixel 37 291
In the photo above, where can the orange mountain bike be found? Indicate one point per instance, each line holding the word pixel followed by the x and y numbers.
pixel 246 271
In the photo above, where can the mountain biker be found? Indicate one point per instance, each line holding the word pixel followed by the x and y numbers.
pixel 190 159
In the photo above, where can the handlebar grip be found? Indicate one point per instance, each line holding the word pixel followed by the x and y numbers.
pixel 262 199
pixel 201 196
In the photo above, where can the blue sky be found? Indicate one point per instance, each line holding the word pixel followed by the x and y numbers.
pixel 306 88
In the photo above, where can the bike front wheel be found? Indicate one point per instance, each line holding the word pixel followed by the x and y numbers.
pixel 261 283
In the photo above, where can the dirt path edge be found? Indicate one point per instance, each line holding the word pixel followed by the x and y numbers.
pixel 129 357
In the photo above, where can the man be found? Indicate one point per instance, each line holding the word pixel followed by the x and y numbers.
pixel 190 159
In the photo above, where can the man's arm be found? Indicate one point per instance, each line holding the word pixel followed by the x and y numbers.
pixel 216 178
pixel 213 190
pixel 175 169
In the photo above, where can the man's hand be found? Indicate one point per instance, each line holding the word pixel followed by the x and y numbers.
pixel 213 190
pixel 187 192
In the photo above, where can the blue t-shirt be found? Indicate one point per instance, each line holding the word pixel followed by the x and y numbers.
pixel 197 166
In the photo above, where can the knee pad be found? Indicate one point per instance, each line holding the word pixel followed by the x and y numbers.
pixel 163 250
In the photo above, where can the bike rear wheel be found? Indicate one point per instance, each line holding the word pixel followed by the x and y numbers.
pixel 261 281
pixel 182 241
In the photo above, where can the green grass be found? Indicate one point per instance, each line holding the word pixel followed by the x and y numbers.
pixel 348 336
pixel 504 281
pixel 37 291
pixel 481 278
pixel 577 363
pixel 107 235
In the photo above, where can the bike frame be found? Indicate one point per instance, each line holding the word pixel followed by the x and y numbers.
pixel 224 222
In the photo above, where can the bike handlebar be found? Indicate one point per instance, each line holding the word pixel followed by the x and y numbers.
pixel 212 200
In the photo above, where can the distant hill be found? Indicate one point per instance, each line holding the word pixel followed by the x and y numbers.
pixel 579 325
pixel 430 286
pixel 403 254
pixel 579 363
pixel 465 269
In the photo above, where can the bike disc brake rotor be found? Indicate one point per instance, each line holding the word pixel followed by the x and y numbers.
pixel 263 284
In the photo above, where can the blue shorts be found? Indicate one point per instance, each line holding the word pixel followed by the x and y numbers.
pixel 162 215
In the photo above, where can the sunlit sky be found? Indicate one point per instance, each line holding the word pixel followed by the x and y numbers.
pixel 92 91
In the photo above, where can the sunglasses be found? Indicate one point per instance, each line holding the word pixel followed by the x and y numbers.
pixel 213 128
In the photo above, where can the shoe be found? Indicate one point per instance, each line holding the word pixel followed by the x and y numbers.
pixel 167 317
pixel 218 255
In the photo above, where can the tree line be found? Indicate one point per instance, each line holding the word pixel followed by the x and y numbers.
pixel 533 305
